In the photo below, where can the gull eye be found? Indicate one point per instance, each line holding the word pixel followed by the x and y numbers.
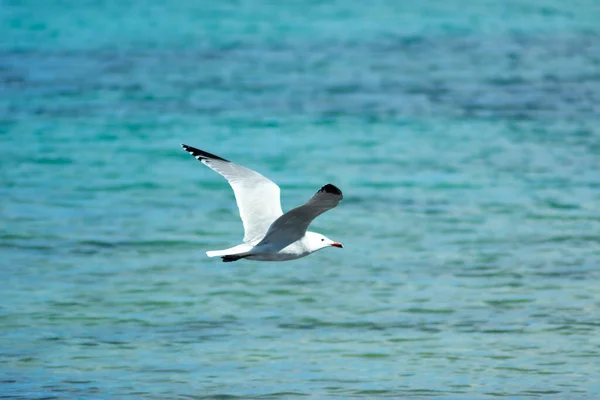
pixel 322 240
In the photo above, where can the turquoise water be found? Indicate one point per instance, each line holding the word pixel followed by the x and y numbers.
pixel 466 140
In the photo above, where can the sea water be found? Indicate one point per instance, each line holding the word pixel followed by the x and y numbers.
pixel 464 135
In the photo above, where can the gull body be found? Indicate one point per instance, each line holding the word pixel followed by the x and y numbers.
pixel 269 234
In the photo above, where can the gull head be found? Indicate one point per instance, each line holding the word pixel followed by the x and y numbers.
pixel 316 241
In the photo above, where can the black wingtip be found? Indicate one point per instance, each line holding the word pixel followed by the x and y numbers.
pixel 201 154
pixel 331 189
pixel 231 258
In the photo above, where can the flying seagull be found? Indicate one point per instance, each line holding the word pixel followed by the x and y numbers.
pixel 269 234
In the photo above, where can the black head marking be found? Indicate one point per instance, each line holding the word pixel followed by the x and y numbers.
pixel 329 188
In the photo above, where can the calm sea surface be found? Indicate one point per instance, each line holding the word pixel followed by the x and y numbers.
pixel 465 136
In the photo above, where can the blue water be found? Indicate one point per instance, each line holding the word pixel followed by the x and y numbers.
pixel 465 136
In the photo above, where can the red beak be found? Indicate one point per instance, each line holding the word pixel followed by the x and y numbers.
pixel 337 244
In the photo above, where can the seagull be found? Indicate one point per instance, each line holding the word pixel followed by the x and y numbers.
pixel 269 234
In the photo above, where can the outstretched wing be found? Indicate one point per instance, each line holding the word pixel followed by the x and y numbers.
pixel 257 197
pixel 292 225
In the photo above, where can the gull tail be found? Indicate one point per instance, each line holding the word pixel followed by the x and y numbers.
pixel 231 254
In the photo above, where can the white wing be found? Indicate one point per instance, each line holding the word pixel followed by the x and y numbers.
pixel 257 197
pixel 292 225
